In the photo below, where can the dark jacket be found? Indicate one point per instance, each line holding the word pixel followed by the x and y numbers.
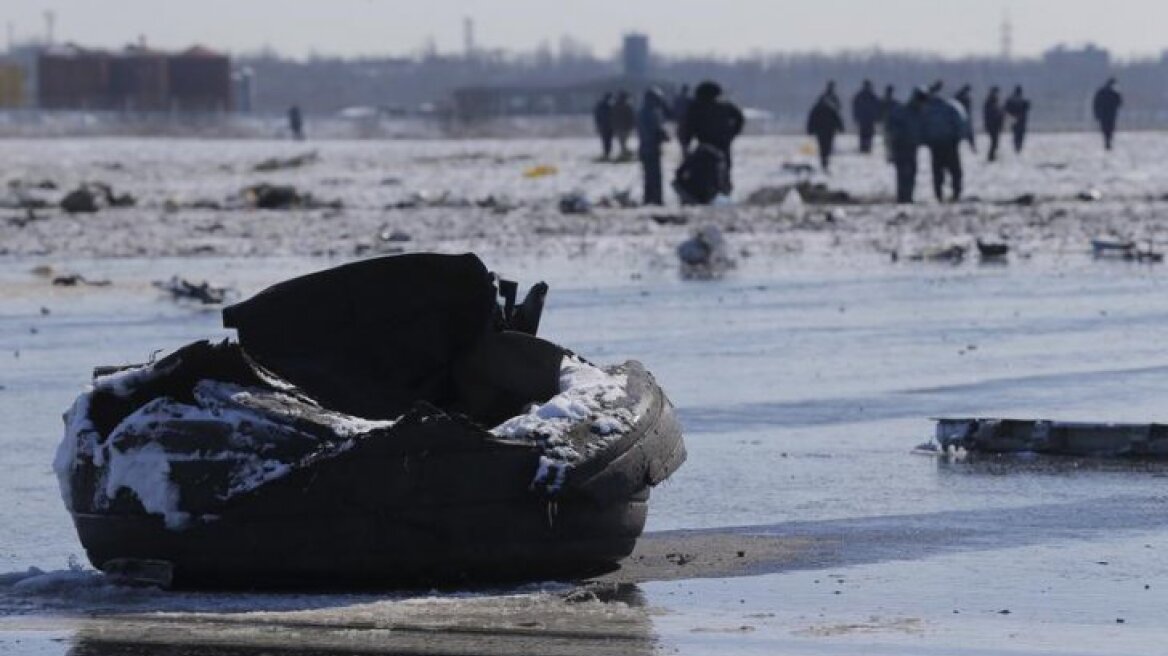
pixel 624 118
pixel 651 126
pixel 1106 105
pixel 866 107
pixel 824 119
pixel 1018 108
pixel 904 129
pixel 944 120
pixel 992 115
pixel 602 116
pixel 713 122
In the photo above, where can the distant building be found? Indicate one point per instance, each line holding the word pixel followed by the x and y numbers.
pixel 524 100
pixel 635 55
pixel 134 79
pixel 12 78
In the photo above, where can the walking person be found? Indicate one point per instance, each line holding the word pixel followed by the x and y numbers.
pixel 903 131
pixel 602 118
pixel 624 121
pixel 1017 107
pixel 887 102
pixel 1106 109
pixel 945 127
pixel 296 122
pixel 994 119
pixel 650 135
pixel 866 111
pixel 824 122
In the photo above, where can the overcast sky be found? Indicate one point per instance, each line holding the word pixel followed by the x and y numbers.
pixel 725 27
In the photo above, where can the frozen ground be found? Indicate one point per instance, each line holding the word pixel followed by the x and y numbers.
pixel 803 381
pixel 370 178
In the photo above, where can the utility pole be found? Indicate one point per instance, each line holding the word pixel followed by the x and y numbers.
pixel 50 26
pixel 468 37
pixel 1007 37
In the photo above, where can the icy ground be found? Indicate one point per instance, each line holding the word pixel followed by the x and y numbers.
pixel 803 379
pixel 457 195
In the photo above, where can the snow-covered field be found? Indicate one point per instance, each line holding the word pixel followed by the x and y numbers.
pixel 459 195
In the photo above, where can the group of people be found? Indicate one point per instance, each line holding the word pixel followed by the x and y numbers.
pixel 706 126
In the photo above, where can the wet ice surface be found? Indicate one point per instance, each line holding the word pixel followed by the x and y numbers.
pixel 803 383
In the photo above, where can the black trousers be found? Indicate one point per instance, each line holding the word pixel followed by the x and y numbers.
pixel 826 145
pixel 1019 136
pixel 651 169
pixel 995 136
pixel 946 159
pixel 867 131
pixel 905 160
pixel 1108 128
pixel 606 143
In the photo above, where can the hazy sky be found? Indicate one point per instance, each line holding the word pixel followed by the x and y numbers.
pixel 727 27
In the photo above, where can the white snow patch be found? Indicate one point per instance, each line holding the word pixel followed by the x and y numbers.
pixel 127 381
pixel 146 472
pixel 586 391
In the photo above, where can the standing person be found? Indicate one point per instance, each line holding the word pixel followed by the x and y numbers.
pixel 650 135
pixel 903 128
pixel 1106 109
pixel 713 122
pixel 964 96
pixel 994 119
pixel 296 122
pixel 887 102
pixel 680 106
pixel 866 110
pixel 602 118
pixel 1017 107
pixel 824 121
pixel 624 120
pixel 945 127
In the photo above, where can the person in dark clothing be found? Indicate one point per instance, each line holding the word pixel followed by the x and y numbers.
pixel 1106 109
pixel 624 121
pixel 713 122
pixel 296 122
pixel 602 118
pixel 1017 107
pixel 830 96
pixel 650 135
pixel 681 104
pixel 964 96
pixel 994 119
pixel 866 110
pixel 904 130
pixel 945 127
pixel 887 102
pixel 824 121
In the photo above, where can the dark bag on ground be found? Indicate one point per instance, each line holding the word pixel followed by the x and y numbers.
pixel 702 176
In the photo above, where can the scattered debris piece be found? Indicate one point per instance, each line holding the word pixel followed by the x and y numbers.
pixel 74 279
pixel 394 235
pixel 282 163
pixel 704 256
pixel 951 253
pixel 575 203
pixel 992 250
pixel 1090 195
pixel 1025 200
pixel 266 196
pixel 80 201
pixel 30 216
pixel 670 219
pixel 799 168
pixel 540 171
pixel 203 292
